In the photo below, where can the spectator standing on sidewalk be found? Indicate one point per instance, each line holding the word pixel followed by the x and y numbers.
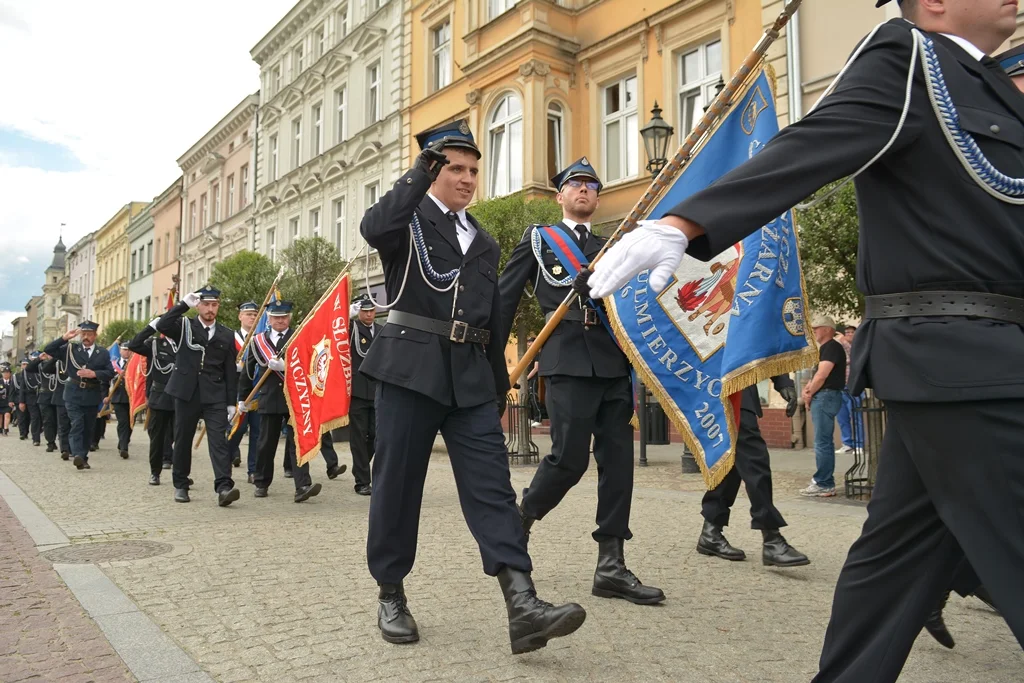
pixel 852 434
pixel 824 395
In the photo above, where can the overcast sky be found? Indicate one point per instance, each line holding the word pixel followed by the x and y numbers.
pixel 99 101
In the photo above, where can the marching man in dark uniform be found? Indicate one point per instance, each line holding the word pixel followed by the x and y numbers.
pixel 88 369
pixel 120 404
pixel 44 398
pixel 54 372
pixel 271 404
pixel 204 384
pixel 362 432
pixel 587 377
pixel 440 366
pixel 250 421
pixel 160 404
pixel 941 203
pixel 8 394
pixel 30 421
pixel 753 468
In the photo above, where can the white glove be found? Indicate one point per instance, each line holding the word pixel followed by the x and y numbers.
pixel 153 322
pixel 353 310
pixel 242 407
pixel 192 299
pixel 231 413
pixel 650 246
pixel 276 364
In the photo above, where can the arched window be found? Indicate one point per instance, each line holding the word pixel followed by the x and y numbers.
pixel 506 147
pixel 556 123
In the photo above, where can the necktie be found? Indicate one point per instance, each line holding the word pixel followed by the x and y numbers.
pixel 209 331
pixel 581 230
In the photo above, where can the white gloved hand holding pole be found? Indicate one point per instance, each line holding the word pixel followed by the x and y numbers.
pixel 242 408
pixel 650 246
pixel 276 364
pixel 231 413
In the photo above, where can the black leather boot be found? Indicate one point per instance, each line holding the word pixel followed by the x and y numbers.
pixel 613 580
pixel 712 542
pixel 527 523
pixel 778 553
pixel 393 616
pixel 936 626
pixel 531 621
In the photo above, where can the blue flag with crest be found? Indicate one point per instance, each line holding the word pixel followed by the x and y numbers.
pixel 725 324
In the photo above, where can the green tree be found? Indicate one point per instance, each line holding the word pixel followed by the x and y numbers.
pixel 828 252
pixel 312 265
pixel 245 276
pixel 125 329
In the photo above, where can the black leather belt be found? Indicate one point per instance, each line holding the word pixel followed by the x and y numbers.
pixel 940 303
pixel 588 316
pixel 453 330
pixel 85 384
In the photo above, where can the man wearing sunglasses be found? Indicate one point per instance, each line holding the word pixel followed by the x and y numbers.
pixel 588 387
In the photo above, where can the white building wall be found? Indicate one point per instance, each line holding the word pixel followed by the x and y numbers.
pixel 140 288
pixel 82 275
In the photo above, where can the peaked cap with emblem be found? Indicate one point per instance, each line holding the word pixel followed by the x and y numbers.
pixel 581 168
pixel 1012 60
pixel 209 293
pixel 364 303
pixel 248 306
pixel 88 326
pixel 280 308
pixel 454 134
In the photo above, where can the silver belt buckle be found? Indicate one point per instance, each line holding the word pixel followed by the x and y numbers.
pixel 459 331
pixel 590 318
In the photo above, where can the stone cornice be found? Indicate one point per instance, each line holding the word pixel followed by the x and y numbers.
pixel 235 120
pixel 282 33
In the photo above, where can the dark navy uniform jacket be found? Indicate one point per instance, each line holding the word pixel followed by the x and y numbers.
pixel 78 391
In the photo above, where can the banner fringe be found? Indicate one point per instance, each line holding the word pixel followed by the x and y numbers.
pixel 324 428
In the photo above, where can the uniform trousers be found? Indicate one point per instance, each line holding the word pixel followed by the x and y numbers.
pixel 753 468
pixel 327 451
pixel 63 428
pixel 250 423
pixel 100 430
pixel 48 414
pixel 407 424
pixel 186 418
pixel 271 425
pixel 579 407
pixel 124 425
pixel 160 428
pixel 950 484
pixel 83 421
pixel 31 421
pixel 362 436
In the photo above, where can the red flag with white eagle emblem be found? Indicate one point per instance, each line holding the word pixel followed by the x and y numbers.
pixel 318 371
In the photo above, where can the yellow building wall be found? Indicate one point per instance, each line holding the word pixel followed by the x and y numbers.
pixel 112 265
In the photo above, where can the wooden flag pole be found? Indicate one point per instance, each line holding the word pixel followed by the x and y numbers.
pixel 714 112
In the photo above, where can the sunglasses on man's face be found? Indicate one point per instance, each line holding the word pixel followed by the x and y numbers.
pixel 576 184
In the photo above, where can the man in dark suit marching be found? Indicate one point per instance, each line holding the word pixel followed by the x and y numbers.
pixel 120 404
pixel 939 174
pixel 589 390
pixel 753 468
pixel 88 368
pixel 30 421
pixel 204 384
pixel 362 417
pixel 160 420
pixel 265 353
pixel 440 366
pixel 43 366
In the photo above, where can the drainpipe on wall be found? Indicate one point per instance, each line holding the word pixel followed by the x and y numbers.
pixel 794 77
pixel 255 176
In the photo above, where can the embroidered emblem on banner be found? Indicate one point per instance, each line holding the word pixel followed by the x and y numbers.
pixel 755 106
pixel 319 365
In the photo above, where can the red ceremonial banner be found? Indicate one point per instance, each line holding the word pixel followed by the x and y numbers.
pixel 318 371
pixel 135 383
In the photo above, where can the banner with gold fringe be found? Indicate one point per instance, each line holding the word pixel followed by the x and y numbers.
pixel 725 324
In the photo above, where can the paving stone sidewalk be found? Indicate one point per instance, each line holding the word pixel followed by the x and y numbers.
pixel 267 590
pixel 45 634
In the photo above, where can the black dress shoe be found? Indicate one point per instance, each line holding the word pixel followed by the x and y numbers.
pixel 307 492
pixel 79 462
pixel 936 626
pixel 154 480
pixel 181 496
pixel 613 580
pixel 86 466
pixel 35 443
pixel 333 472
pixel 364 490
pixel 532 622
pixel 50 448
pixel 393 616
pixel 250 478
pixel 236 462
pixel 166 465
pixel 778 553
pixel 287 474
pixel 261 492
pixel 93 448
pixel 65 455
pixel 190 482
pixel 712 543
pixel 22 438
pixel 124 455
pixel 227 497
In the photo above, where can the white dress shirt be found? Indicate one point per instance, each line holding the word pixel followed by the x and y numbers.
pixel 463 228
pixel 967 45
pixel 576 227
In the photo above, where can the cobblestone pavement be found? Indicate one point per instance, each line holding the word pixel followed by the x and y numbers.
pixel 44 633
pixel 267 590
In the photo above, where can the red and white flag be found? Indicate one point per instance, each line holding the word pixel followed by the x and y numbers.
pixel 318 371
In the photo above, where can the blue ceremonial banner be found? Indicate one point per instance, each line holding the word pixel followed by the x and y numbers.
pixel 722 325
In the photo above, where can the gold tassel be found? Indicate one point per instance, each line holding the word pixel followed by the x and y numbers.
pixel 635 421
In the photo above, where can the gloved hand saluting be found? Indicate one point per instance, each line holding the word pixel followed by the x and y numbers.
pixel 192 299
pixel 650 246
pixel 431 161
